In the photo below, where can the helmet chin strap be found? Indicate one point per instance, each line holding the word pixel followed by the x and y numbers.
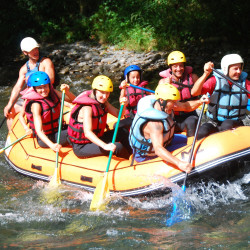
pixel 127 78
pixel 93 95
pixel 163 104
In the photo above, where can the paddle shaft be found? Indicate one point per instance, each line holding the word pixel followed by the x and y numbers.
pixel 60 126
pixel 114 136
pixel 19 139
pixel 3 120
pixel 193 144
pixel 230 80
pixel 138 87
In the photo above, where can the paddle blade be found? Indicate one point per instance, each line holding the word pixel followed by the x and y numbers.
pixel 55 180
pixel 182 209
pixel 100 194
pixel 1 151
pixel 175 217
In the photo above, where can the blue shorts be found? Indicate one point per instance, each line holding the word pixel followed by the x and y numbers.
pixel 178 141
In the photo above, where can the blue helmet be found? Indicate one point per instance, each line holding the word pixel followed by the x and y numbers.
pixel 37 79
pixel 131 68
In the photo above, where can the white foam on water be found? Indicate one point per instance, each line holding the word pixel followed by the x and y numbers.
pixel 29 208
pixel 200 196
pixel 31 212
pixel 112 232
pixel 150 202
pixel 246 179
pixel 211 194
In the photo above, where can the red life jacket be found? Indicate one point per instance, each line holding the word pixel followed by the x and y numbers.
pixel 134 95
pixel 184 85
pixel 50 110
pixel 99 118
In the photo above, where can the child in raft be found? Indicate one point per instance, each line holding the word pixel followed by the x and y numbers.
pixel 88 122
pixel 132 75
pixel 42 108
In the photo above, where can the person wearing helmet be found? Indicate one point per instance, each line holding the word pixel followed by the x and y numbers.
pixel 153 127
pixel 30 48
pixel 228 103
pixel 42 109
pixel 88 123
pixel 132 75
pixel 183 78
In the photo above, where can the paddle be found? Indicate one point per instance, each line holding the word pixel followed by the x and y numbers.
pixel 102 190
pixel 138 87
pixel 175 215
pixel 55 180
pixel 230 80
pixel 3 120
pixel 19 139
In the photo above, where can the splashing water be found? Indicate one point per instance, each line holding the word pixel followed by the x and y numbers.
pixel 204 195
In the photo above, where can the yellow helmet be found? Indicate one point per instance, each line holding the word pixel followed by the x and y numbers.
pixel 176 57
pixel 167 92
pixel 102 83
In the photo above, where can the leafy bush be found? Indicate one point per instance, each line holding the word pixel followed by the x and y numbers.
pixel 146 25
pixel 134 24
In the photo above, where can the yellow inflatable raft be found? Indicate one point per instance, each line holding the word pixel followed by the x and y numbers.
pixel 27 158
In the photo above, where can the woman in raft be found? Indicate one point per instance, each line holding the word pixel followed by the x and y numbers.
pixel 88 121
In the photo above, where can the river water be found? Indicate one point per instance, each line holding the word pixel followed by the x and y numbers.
pixel 34 217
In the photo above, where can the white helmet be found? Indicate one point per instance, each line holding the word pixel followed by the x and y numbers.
pixel 230 59
pixel 28 44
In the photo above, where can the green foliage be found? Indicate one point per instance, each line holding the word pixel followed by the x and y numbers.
pixel 147 24
pixel 56 19
pixel 111 24
pixel 139 38
pixel 12 24
pixel 134 24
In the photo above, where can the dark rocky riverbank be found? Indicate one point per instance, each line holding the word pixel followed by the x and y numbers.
pixel 80 62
